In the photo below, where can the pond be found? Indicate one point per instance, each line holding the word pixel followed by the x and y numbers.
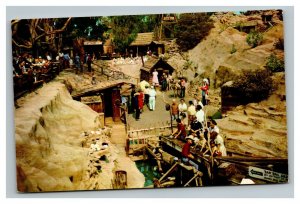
pixel 149 169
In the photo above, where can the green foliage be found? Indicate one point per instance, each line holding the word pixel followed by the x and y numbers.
pixel 125 28
pixel 191 29
pixel 254 38
pixel 254 86
pixel 88 28
pixel 233 49
pixel 274 64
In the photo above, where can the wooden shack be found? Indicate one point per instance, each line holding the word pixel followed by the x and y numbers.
pixel 93 47
pixel 246 27
pixel 110 95
pixel 157 63
pixel 145 42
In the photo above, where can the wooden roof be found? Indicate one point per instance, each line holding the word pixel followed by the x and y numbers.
pixel 143 39
pixel 152 61
pixel 102 86
pixel 92 42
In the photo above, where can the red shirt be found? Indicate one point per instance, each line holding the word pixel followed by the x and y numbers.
pixel 205 88
pixel 141 100
pixel 181 127
pixel 186 149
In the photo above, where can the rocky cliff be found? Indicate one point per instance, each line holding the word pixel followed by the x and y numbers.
pixel 52 153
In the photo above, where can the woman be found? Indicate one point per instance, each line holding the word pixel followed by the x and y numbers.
pixel 155 78
pixel 204 91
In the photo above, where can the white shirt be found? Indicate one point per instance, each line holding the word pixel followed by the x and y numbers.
pixel 200 116
pixel 191 110
pixel 215 129
pixel 182 107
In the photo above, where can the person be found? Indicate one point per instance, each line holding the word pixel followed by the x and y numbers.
pixel 77 63
pixel 200 114
pixel 146 93
pixel 195 127
pixel 182 107
pixel 182 88
pixel 164 82
pixel 180 132
pixel 204 91
pixel 191 111
pixel 66 60
pixel 89 62
pixel 213 127
pixel 219 149
pixel 169 81
pixel 141 100
pixel 155 78
pixel 195 100
pixel 152 96
pixel 174 110
pixel 136 106
pixel 186 152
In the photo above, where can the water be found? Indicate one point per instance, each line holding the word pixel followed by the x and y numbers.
pixel 149 169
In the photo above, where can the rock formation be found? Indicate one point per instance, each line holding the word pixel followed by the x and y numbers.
pixel 51 152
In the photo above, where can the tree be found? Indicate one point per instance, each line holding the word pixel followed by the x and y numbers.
pixel 33 33
pixel 191 29
pixel 124 29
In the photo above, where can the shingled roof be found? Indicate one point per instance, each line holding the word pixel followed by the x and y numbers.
pixel 143 39
pixel 153 62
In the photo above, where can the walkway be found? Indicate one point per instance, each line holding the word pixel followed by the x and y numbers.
pixel 158 118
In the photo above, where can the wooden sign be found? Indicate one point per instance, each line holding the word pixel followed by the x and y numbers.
pixel 267 175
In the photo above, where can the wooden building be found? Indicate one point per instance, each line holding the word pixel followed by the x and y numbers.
pixel 93 47
pixel 152 63
pixel 104 97
pixel 246 27
pixel 145 42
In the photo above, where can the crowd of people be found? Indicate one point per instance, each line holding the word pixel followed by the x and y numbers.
pixel 29 71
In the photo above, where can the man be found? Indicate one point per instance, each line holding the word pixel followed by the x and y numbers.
pixel 200 114
pixel 146 93
pixel 195 127
pixel 136 106
pixel 152 95
pixel 186 152
pixel 182 107
pixel 174 110
pixel 191 111
pixel 182 88
pixel 89 62
pixel 180 132
pixel 77 63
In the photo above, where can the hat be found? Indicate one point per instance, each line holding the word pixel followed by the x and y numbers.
pixel 191 137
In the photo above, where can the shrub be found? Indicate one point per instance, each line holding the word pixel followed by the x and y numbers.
pixel 274 64
pixel 191 29
pixel 254 86
pixel 254 38
pixel 233 49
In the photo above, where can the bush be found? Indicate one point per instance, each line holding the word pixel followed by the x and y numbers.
pixel 254 38
pixel 254 86
pixel 191 29
pixel 233 49
pixel 274 64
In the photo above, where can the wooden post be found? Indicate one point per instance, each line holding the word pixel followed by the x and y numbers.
pixel 195 176
pixel 169 171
